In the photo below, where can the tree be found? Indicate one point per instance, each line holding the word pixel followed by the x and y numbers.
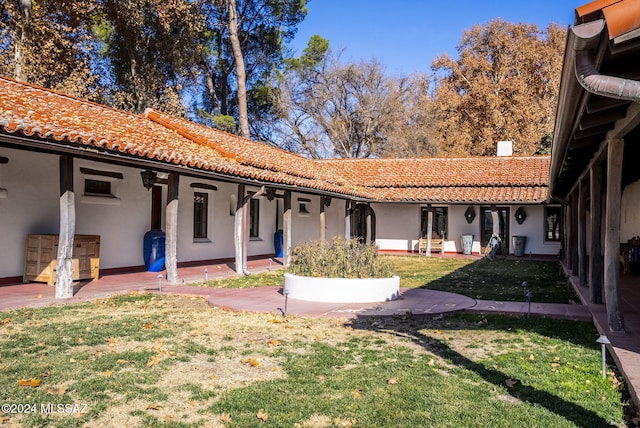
pixel 241 76
pixel 504 86
pixel 328 108
pixel 263 28
pixel 147 47
pixel 48 43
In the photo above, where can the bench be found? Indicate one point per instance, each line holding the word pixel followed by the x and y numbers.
pixel 437 244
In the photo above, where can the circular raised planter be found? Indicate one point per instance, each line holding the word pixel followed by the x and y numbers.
pixel 341 290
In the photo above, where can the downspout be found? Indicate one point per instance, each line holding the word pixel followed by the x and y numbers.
pixel 587 39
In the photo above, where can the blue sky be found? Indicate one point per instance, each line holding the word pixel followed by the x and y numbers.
pixel 407 35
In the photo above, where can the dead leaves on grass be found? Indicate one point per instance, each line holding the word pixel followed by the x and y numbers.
pixel 33 383
pixel 262 415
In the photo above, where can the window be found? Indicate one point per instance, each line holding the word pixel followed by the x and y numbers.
pixel 302 208
pixel 200 215
pixel 97 187
pixel 439 222
pixel 553 216
pixel 254 218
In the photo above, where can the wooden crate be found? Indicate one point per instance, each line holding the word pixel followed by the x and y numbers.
pixel 42 253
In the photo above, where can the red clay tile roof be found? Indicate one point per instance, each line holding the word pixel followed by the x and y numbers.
pixel 621 16
pixel 32 111
pixel 472 179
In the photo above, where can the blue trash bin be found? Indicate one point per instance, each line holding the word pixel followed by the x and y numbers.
pixel 278 243
pixel 154 250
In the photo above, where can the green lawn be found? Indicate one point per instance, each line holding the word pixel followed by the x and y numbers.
pixel 172 361
pixel 477 278
pixel 486 279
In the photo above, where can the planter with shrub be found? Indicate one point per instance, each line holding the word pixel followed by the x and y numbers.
pixel 340 271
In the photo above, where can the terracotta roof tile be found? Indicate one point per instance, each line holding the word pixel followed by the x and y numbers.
pixel 621 16
pixel 32 111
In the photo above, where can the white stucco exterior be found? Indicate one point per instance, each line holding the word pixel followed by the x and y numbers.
pixel 29 203
pixel 630 212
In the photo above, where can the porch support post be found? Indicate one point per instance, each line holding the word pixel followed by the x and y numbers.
pixel 615 152
pixel 286 232
pixel 582 233
pixel 238 233
pixel 369 239
pixel 171 251
pixel 595 248
pixel 429 230
pixel 347 219
pixel 64 272
pixel 323 219
pixel 573 241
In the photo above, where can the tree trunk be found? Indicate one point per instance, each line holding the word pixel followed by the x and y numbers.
pixel 240 70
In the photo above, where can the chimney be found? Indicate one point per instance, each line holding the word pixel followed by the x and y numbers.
pixel 505 148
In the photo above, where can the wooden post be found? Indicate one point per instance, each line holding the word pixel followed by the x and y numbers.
pixel 323 219
pixel 64 272
pixel 171 251
pixel 347 219
pixel 595 248
pixel 615 152
pixel 286 220
pixel 239 229
pixel 574 234
pixel 582 233
pixel 429 230
pixel 368 221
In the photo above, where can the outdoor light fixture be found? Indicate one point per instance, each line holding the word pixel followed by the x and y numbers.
pixel 148 179
pixel 604 341
pixel 469 215
pixel 206 275
pixel 160 282
pixel 525 284
pixel 520 215
pixel 286 300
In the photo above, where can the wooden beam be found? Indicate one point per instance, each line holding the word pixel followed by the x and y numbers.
pixel 171 219
pixel 64 272
pixel 612 236
pixel 582 233
pixel 286 228
pixel 574 234
pixel 238 228
pixel 595 247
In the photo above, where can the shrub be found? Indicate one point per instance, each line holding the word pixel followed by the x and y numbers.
pixel 340 258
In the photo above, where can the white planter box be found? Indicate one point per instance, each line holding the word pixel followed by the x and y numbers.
pixel 341 290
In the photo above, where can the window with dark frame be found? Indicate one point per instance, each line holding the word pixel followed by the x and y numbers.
pixel 552 216
pixel 97 187
pixel 302 209
pixel 200 215
pixel 439 222
pixel 254 218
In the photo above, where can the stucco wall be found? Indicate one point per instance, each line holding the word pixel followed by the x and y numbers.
pixel 398 228
pixel 630 212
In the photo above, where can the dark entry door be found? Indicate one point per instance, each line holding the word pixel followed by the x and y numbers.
pixel 486 227
pixel 359 216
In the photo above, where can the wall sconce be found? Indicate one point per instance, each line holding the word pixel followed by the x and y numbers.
pixel 520 215
pixel 148 179
pixel 470 214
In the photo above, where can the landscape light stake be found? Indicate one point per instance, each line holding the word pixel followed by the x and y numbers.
pixel 160 282
pixel 524 288
pixel 206 276
pixel 528 295
pixel 604 341
pixel 286 300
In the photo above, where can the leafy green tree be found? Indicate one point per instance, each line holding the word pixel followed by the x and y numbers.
pixel 504 86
